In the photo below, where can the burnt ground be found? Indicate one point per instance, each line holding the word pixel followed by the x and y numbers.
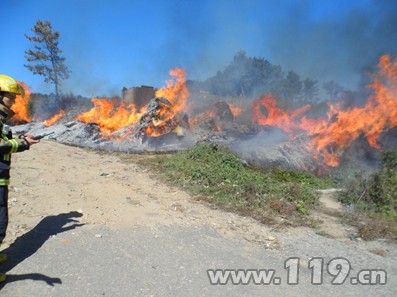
pixel 84 223
pixel 267 148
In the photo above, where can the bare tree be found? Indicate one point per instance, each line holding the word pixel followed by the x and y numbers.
pixel 44 58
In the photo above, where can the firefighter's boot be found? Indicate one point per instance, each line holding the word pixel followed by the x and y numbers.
pixel 3 258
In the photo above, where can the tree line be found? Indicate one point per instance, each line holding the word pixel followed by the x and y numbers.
pixel 249 77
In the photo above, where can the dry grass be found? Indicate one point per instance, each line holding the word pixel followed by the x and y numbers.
pixel 372 228
pixel 379 252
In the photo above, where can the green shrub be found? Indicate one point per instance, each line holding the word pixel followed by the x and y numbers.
pixel 376 194
pixel 215 172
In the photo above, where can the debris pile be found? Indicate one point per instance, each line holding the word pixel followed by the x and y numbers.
pixel 262 132
pixel 156 120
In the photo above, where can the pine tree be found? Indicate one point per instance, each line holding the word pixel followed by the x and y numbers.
pixel 44 58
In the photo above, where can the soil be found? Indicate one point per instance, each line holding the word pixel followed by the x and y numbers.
pixel 53 178
pixel 154 239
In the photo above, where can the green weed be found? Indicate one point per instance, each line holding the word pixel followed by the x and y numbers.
pixel 214 172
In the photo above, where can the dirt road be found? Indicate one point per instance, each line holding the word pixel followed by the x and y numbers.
pixel 87 224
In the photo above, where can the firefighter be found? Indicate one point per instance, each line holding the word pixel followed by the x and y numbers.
pixel 9 89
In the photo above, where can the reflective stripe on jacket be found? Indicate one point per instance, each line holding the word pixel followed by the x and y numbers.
pixel 8 146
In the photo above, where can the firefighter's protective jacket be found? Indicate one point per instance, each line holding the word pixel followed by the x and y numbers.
pixel 8 145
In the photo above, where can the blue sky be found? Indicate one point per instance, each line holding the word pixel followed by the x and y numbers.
pixel 109 44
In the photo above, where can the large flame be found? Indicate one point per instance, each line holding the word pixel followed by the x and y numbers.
pixel 176 92
pixel 376 116
pixel 112 115
pixel 163 119
pixel 331 135
pixel 20 107
pixel 55 118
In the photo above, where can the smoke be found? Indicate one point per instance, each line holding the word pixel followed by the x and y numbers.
pixel 266 150
pixel 341 45
pixel 135 43
pixel 321 40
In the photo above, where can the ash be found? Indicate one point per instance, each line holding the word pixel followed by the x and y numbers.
pixel 264 149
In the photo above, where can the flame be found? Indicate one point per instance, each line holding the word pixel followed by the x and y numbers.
pixel 165 119
pixel 235 110
pixel 176 92
pixel 216 114
pixel 377 115
pixel 206 116
pixel 202 117
pixel 20 107
pixel 110 115
pixel 331 135
pixel 289 121
pixel 51 121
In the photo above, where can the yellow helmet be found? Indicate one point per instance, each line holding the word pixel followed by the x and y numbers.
pixel 10 85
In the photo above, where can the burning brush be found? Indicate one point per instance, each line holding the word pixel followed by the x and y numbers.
pixel 306 143
pixel 157 120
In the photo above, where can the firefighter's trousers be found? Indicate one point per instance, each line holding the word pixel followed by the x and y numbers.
pixel 3 212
